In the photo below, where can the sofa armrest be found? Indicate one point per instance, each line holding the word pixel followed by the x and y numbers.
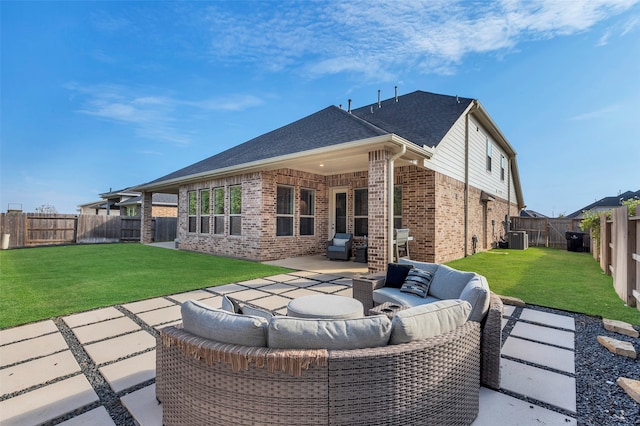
pixel 491 344
pixel 363 288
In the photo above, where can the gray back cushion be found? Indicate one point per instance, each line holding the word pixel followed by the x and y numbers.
pixel 477 293
pixel 448 283
pixel 223 326
pixel 429 267
pixel 307 333
pixel 425 321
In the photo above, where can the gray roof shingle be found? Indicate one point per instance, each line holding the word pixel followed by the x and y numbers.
pixel 420 117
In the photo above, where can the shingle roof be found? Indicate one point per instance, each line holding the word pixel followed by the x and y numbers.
pixel 420 117
pixel 612 202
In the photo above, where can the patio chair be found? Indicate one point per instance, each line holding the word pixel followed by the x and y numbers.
pixel 402 243
pixel 340 247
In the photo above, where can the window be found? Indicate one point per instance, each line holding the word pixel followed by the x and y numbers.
pixel 502 166
pixel 235 210
pixel 489 153
pixel 361 212
pixel 307 211
pixel 193 210
pixel 205 210
pixel 284 211
pixel 397 206
pixel 218 211
pixel 131 211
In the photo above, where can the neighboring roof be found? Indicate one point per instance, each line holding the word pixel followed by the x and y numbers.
pixel 606 202
pixel 120 193
pixel 530 213
pixel 157 198
pixel 420 117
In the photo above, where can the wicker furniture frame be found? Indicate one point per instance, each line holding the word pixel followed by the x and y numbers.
pixel 491 342
pixel 434 381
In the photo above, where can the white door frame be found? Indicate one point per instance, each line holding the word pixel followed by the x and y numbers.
pixel 332 208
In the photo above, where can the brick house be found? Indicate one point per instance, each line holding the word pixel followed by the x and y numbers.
pixel 128 203
pixel 432 163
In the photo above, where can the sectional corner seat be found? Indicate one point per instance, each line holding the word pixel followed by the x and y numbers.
pixel 226 368
pixel 446 284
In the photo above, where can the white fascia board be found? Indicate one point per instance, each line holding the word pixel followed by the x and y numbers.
pixel 270 163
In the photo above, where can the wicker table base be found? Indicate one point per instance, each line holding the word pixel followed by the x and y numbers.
pixel 388 308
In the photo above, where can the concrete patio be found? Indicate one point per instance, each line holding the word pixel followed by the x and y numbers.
pixel 45 377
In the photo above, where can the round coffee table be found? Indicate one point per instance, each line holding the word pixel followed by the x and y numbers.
pixel 328 306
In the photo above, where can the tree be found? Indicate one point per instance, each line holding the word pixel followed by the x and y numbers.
pixel 46 208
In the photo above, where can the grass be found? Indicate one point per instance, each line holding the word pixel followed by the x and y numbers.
pixel 40 283
pixel 549 277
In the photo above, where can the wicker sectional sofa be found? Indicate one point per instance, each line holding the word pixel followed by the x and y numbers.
pixel 487 307
pixel 431 380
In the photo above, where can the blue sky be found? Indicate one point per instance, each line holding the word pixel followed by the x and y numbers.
pixel 100 95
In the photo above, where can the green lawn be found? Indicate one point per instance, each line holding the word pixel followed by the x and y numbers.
pixel 39 283
pixel 554 278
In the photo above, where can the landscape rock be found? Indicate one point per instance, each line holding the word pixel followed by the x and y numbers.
pixel 630 386
pixel 620 327
pixel 508 300
pixel 618 347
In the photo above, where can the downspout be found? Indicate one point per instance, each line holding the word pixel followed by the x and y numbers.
pixel 466 184
pixel 390 192
pixel 509 196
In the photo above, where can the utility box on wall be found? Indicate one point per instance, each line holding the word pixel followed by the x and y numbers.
pixel 518 240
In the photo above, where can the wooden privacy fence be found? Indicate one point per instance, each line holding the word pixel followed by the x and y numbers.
pixel 620 253
pixel 547 232
pixel 33 229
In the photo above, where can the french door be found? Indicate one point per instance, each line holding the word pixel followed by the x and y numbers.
pixel 337 211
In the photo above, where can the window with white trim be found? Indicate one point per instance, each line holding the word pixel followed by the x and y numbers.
pixel 205 210
pixel 235 210
pixel 218 211
pixel 284 211
pixel 307 211
pixel 489 153
pixel 361 212
pixel 193 210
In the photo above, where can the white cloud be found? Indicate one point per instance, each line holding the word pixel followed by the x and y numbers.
pixel 594 115
pixel 374 38
pixel 155 117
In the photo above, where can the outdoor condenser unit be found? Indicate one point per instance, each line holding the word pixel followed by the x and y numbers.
pixel 518 240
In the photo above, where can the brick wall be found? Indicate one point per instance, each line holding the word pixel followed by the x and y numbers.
pixel 164 211
pixel 378 212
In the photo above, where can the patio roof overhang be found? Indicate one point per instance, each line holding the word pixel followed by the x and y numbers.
pixel 347 157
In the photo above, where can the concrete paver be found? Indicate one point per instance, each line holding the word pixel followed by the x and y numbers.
pixel 195 295
pixel 540 354
pixel 144 407
pixel 546 318
pixel 148 305
pixel 130 372
pixel 553 336
pixel 119 347
pixel 227 288
pixel 89 317
pixel 102 330
pixel 162 315
pixel 271 303
pixel 497 408
pixel 347 292
pixel 32 348
pixel 293 294
pixel 27 374
pixel 247 295
pixel 278 288
pixel 48 402
pixel 28 331
pixel 329 287
pixel 282 278
pixel 303 282
pixel 96 417
pixel 546 386
pixel 258 282
pixel 509 310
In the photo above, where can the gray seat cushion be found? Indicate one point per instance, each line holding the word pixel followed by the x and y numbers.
pixel 223 326
pixel 425 321
pixel 306 333
pixel 448 283
pixel 394 295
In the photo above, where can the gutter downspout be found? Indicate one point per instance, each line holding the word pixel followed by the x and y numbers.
pixel 466 183
pixel 390 202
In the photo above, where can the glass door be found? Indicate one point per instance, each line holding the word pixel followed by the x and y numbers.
pixel 338 212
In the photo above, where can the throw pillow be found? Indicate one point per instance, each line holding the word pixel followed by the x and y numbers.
pixel 256 312
pixel 340 242
pixel 396 274
pixel 231 305
pixel 417 282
